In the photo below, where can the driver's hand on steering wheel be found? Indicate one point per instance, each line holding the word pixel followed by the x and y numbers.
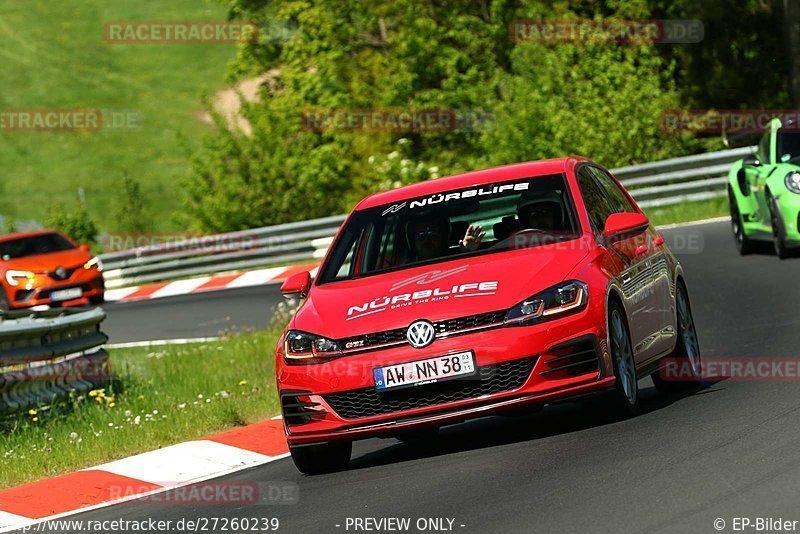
pixel 472 239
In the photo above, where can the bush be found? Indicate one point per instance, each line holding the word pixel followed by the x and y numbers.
pixel 76 223
pixel 131 208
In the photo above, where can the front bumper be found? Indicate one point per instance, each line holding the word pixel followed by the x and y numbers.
pixel 38 291
pixel 518 366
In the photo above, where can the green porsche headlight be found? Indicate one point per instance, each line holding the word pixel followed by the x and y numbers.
pixel 792 182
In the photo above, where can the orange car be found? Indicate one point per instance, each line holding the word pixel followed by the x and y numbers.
pixel 47 268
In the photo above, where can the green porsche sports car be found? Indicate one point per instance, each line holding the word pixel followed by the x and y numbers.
pixel 764 192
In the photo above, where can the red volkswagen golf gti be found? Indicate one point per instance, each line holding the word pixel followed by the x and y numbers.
pixel 476 294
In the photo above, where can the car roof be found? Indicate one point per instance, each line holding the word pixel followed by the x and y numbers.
pixel 473 178
pixel 20 235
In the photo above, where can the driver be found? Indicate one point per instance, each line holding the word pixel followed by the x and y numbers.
pixel 543 214
pixel 429 237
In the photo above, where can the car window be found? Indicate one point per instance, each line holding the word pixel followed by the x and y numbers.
pixel 597 204
pixel 429 229
pixel 619 202
pixel 31 246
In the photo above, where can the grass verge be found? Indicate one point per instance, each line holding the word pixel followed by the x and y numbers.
pixel 689 211
pixel 55 56
pixel 164 395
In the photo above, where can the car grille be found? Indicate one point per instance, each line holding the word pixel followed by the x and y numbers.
pixel 491 379
pixel 470 321
pixel 443 328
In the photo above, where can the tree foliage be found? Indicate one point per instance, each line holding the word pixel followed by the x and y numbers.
pixel 75 222
pixel 601 99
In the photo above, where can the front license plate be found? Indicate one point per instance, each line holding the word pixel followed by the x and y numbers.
pixel 425 371
pixel 67 294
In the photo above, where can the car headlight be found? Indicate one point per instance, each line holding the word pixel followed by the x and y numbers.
pixel 567 297
pixel 94 262
pixel 13 277
pixel 792 182
pixel 304 346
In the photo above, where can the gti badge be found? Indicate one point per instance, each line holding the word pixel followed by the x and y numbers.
pixel 420 334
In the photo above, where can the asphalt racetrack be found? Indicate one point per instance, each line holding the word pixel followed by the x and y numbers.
pixel 728 450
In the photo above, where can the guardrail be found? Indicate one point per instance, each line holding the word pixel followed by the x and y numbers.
pixel 655 184
pixel 677 180
pixel 47 355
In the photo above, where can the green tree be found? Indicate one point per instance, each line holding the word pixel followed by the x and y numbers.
pixel 603 100
pixel 131 212
pixel 76 223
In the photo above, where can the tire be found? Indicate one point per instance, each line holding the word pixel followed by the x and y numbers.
pixel 743 243
pixel 625 395
pixel 687 349
pixel 778 230
pixel 322 458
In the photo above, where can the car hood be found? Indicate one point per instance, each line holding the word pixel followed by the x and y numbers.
pixel 48 262
pixel 435 292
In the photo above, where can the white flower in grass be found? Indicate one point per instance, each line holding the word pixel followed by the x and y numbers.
pixel 137 420
pixel 182 406
pixel 73 435
pixel 155 412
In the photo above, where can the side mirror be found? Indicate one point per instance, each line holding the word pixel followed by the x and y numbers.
pixel 297 285
pixel 624 225
pixel 84 247
pixel 751 161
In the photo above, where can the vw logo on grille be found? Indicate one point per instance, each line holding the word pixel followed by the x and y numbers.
pixel 420 334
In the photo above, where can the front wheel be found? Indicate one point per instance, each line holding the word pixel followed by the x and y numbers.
pixel 626 387
pixel 322 458
pixel 743 244
pixel 685 363
pixel 778 230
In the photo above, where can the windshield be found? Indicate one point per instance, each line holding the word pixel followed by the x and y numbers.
pixel 31 246
pixel 463 222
